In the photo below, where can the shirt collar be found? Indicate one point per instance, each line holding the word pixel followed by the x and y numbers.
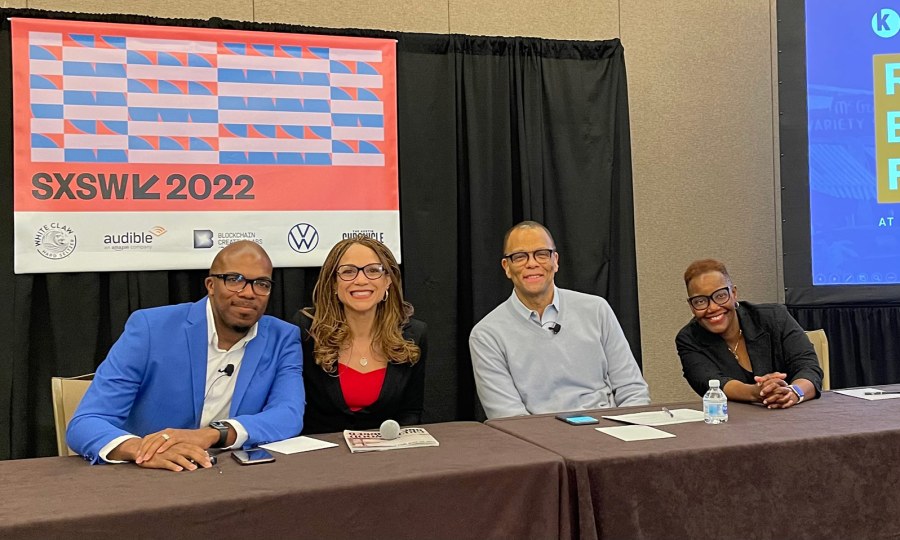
pixel 213 335
pixel 529 314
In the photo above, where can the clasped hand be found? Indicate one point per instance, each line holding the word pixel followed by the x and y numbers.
pixel 174 449
pixel 774 391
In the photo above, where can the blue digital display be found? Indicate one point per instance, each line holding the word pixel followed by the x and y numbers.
pixel 581 420
pixel 855 240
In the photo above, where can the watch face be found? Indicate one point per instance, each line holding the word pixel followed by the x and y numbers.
pixel 797 390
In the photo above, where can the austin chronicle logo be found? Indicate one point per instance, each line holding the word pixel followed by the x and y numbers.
pixel 55 241
pixel 303 238
pixel 203 238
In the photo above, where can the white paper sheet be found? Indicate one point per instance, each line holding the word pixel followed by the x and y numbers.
pixel 659 418
pixel 297 444
pixel 635 433
pixel 861 393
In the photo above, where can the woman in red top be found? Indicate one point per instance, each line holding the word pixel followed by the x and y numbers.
pixel 363 357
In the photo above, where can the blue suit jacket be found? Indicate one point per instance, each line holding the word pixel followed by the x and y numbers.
pixel 155 377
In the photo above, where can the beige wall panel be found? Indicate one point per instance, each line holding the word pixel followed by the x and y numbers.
pixel 702 142
pixel 428 16
pixel 13 3
pixel 240 10
pixel 572 19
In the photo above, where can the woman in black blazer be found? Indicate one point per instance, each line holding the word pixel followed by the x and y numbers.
pixel 758 352
pixel 363 356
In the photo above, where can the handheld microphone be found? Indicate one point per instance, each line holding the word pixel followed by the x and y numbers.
pixel 390 430
pixel 229 369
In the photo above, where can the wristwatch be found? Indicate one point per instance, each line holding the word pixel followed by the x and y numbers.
pixel 797 390
pixel 222 428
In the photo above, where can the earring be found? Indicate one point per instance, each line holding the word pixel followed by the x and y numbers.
pixel 737 304
pixel 386 295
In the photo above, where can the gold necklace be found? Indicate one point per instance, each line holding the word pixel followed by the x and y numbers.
pixel 363 361
pixel 736 345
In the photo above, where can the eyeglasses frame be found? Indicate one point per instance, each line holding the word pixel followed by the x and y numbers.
pixel 709 298
pixel 251 282
pixel 359 269
pixel 530 255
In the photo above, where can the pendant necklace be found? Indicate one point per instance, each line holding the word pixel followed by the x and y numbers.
pixel 363 361
pixel 736 345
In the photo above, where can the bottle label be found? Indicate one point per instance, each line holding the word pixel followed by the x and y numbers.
pixel 716 410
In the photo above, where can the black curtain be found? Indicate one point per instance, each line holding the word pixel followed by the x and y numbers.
pixel 862 347
pixel 491 131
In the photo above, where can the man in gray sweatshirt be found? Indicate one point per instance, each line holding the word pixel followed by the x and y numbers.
pixel 547 349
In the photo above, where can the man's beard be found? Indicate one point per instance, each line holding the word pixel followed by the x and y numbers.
pixel 240 329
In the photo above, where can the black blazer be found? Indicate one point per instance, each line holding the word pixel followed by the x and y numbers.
pixel 401 398
pixel 775 342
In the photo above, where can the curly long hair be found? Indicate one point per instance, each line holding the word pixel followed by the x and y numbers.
pixel 330 330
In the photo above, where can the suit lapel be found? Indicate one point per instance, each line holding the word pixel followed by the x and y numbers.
pixel 252 356
pixel 197 334
pixel 757 340
pixel 391 382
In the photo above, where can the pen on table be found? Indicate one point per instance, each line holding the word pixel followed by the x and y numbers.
pixel 667 411
pixel 880 393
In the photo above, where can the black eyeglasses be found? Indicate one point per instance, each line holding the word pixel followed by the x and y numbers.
pixel 348 272
pixel 237 282
pixel 521 257
pixel 719 296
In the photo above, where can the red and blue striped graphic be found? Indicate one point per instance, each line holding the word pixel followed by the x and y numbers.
pixel 101 98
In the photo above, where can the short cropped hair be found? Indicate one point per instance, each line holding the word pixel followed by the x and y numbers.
pixel 698 268
pixel 527 225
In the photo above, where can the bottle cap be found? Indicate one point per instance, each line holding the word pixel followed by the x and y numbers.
pixel 714 383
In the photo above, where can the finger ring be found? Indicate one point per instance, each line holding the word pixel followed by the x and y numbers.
pixel 165 436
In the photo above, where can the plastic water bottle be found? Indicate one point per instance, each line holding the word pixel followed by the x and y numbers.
pixel 715 404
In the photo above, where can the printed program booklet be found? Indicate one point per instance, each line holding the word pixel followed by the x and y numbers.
pixel 371 441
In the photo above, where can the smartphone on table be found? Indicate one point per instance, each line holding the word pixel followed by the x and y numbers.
pixel 252 457
pixel 576 419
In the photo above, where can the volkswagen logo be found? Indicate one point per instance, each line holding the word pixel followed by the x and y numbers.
pixel 303 238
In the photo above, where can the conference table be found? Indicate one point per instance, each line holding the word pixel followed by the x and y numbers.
pixel 828 468
pixel 479 483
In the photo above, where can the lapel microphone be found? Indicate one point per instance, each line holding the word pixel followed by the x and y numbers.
pixel 554 327
pixel 226 372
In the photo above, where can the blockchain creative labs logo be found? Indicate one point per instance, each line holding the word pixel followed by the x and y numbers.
pixel 129 240
pixel 303 238
pixel 55 240
pixel 886 23
pixel 203 238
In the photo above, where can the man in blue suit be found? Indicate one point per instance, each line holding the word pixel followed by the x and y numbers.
pixel 182 379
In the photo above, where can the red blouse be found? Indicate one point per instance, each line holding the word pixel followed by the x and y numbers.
pixel 360 389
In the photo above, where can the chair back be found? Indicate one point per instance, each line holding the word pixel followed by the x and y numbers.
pixel 67 393
pixel 820 343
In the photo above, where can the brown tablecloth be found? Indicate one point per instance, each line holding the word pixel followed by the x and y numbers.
pixel 829 468
pixel 479 483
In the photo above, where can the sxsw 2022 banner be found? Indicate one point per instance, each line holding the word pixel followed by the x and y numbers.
pixel 151 147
